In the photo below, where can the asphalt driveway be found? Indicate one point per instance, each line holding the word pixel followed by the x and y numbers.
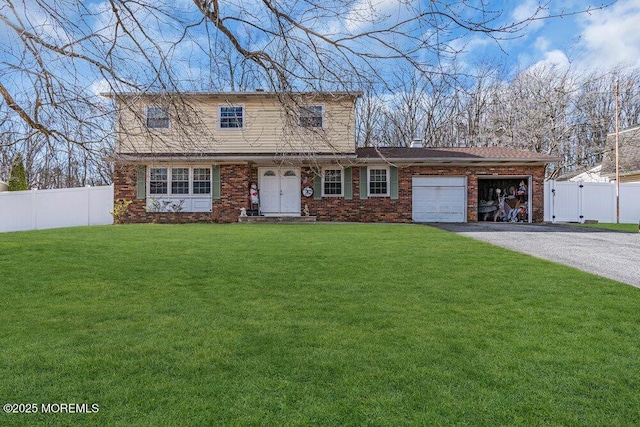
pixel 609 254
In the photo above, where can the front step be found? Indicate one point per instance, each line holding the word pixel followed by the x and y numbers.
pixel 276 219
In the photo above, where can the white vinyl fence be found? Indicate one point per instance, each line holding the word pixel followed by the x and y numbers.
pixel 568 201
pixel 65 207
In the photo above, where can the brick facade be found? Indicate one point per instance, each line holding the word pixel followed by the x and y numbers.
pixel 236 179
pixel 384 209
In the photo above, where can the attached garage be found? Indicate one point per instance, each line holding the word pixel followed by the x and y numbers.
pixel 439 199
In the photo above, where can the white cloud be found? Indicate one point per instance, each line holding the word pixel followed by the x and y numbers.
pixel 525 11
pixel 365 13
pixel 611 36
pixel 553 59
pixel 542 44
pixel 99 87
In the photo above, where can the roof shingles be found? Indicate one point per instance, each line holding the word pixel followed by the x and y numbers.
pixel 452 154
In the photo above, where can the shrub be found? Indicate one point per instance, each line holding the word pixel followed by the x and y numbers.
pixel 18 176
pixel 120 209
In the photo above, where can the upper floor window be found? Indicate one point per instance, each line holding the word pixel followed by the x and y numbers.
pixel 158 117
pixel 378 181
pixel 231 117
pixel 332 182
pixel 311 116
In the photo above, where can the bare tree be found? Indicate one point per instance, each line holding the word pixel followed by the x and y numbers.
pixel 57 55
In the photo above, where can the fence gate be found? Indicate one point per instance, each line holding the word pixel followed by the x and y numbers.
pixel 569 201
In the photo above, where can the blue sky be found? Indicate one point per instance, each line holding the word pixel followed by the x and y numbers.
pixel 599 39
pixel 594 40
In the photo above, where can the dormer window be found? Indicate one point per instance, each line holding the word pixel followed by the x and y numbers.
pixel 310 116
pixel 157 117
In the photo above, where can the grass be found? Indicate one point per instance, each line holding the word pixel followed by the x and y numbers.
pixel 627 228
pixel 309 325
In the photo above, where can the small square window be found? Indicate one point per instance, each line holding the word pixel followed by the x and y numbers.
pixel 332 182
pixel 311 116
pixel 158 117
pixel 231 117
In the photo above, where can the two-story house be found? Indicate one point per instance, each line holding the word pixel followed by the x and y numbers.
pixel 197 156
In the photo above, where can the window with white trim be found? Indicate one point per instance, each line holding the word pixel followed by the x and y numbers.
pixel 201 180
pixel 310 116
pixel 179 181
pixel 158 181
pixel 332 182
pixel 157 117
pixel 231 117
pixel 378 181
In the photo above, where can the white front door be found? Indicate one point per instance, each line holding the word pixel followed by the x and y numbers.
pixel 279 191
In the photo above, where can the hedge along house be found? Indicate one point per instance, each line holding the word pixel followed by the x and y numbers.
pixel 194 158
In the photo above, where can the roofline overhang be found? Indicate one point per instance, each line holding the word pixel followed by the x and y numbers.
pixel 456 161
pixel 233 158
pixel 113 95
pixel 353 158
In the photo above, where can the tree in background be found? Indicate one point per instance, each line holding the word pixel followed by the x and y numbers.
pixel 18 177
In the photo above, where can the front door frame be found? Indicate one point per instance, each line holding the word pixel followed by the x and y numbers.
pixel 292 195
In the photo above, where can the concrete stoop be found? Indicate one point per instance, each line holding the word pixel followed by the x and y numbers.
pixel 276 219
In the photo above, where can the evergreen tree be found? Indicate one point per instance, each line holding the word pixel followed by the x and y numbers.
pixel 18 177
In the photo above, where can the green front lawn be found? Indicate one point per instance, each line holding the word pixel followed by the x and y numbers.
pixel 627 228
pixel 321 324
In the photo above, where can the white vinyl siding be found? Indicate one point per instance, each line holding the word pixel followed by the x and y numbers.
pixel 266 128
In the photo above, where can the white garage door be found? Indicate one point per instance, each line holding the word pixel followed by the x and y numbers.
pixel 439 199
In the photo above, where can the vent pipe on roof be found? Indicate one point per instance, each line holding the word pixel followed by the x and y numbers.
pixel 416 143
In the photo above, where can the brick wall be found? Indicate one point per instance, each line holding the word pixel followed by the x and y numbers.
pixel 235 181
pixel 234 195
pixel 384 209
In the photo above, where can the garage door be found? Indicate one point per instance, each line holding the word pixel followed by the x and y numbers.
pixel 439 199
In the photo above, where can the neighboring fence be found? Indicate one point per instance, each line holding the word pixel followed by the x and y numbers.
pixel 65 207
pixel 568 201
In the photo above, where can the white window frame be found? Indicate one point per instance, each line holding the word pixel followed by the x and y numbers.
pixel 169 182
pixel 324 170
pixel 166 116
pixel 192 175
pixel 220 107
pixel 308 108
pixel 388 174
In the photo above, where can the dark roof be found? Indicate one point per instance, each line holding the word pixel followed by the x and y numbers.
pixel 239 94
pixel 446 155
pixel 628 152
pixel 372 154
